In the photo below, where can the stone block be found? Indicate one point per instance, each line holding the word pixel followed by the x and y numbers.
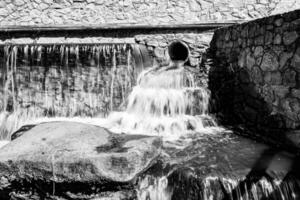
pixel 3 12
pixel 250 61
pixel 289 78
pixel 295 62
pixel 291 108
pixel 244 76
pixel 289 37
pixel 269 62
pixel 277 39
pixel 268 38
pixel 256 75
pixel 296 93
pixel 273 78
pixel 283 58
pixel 19 2
pixel 267 94
pixel 258 51
pixel 259 40
pixel 278 22
pixel 280 90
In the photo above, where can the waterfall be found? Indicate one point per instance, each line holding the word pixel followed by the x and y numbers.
pixel 62 81
pixel 166 102
pixel 101 85
pixel 89 82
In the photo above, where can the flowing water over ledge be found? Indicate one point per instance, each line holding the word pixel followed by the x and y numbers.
pixel 62 81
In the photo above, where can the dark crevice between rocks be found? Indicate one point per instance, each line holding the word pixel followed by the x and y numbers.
pixel 41 189
pixel 116 143
pixel 21 131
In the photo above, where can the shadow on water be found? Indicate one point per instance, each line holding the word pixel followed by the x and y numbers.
pixel 224 166
pixel 270 162
pixel 237 104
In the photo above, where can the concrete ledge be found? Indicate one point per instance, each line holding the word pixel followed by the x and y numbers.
pixel 210 25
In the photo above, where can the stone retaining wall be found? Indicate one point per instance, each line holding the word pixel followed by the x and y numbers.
pixel 255 79
pixel 198 42
pixel 140 12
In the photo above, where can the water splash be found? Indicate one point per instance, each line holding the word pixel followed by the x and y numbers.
pixel 167 102
pixel 214 188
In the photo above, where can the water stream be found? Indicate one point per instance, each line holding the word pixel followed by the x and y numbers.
pixel 54 81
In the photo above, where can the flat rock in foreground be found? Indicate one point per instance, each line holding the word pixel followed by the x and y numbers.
pixel 76 152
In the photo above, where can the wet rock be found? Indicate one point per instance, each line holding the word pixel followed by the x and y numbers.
pixel 75 152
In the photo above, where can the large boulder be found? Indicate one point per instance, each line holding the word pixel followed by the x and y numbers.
pixel 66 152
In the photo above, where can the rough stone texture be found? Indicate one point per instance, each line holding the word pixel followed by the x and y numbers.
pixel 153 12
pixel 265 97
pixel 75 152
pixel 157 44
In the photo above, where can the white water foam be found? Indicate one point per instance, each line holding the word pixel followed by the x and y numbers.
pixel 166 102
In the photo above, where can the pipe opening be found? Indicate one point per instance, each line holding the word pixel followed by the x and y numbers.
pixel 178 51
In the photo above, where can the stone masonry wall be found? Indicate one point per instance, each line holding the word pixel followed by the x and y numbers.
pixel 157 43
pixel 255 79
pixel 140 12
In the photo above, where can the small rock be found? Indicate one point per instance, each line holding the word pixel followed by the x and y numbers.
pixel 296 93
pixel 278 22
pixel 280 90
pixel 277 39
pixel 289 78
pixel 289 37
pixel 159 52
pixel 268 38
pixel 3 12
pixel 43 6
pixel 258 51
pixel 2 4
pixel 256 75
pixel 259 40
pixel 269 62
pixel 19 2
pixel 250 61
pixel 273 78
pixel 99 2
pixel 284 56
pixel 48 1
pixel 295 62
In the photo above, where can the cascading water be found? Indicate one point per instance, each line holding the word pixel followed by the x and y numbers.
pixel 62 81
pixel 165 102
pixel 201 160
